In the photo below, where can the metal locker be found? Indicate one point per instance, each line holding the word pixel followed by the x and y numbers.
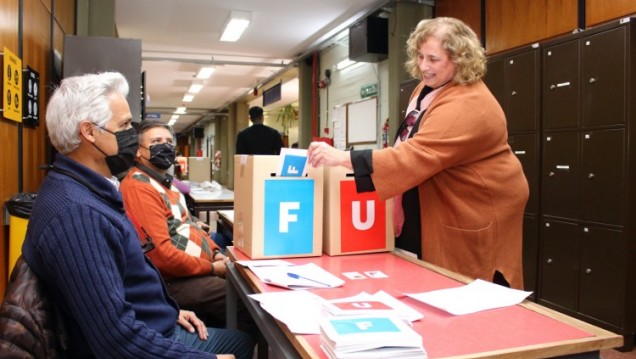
pixel 525 148
pixel 530 253
pixel 496 81
pixel 602 274
pixel 602 181
pixel 560 190
pixel 523 77
pixel 603 76
pixel 561 85
pixel 406 88
pixel 559 264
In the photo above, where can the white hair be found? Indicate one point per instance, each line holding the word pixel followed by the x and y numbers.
pixel 81 98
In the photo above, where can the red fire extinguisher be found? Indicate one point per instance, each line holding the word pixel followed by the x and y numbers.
pixel 385 134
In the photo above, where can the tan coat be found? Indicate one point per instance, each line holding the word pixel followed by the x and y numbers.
pixel 472 189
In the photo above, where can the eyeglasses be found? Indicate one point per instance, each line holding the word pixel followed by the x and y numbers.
pixel 408 123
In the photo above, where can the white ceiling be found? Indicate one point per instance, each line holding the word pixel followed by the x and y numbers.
pixel 179 36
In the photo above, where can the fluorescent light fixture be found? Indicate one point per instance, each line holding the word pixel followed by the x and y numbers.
pixel 172 122
pixel 188 97
pixel 205 72
pixel 195 88
pixel 180 110
pixel 174 118
pixel 235 24
pixel 344 64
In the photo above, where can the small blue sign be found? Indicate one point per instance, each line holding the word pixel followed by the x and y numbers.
pixel 153 115
pixel 289 217
pixel 293 165
pixel 364 325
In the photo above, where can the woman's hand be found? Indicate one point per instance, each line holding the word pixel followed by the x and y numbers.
pixel 320 153
pixel 190 322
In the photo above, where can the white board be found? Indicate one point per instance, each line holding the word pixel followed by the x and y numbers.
pixel 362 122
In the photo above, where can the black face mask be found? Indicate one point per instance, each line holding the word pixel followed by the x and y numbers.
pixel 127 143
pixel 162 155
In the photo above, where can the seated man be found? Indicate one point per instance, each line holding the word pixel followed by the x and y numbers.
pixel 85 250
pixel 190 262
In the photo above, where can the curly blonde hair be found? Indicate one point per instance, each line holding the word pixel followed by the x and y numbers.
pixel 459 41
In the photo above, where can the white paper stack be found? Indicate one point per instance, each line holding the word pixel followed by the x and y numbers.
pixel 303 276
pixel 369 337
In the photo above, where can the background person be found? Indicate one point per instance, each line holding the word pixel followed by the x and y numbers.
pixel 471 190
pixel 190 262
pixel 84 249
pixel 258 139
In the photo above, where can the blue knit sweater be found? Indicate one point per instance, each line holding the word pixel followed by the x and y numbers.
pixel 83 247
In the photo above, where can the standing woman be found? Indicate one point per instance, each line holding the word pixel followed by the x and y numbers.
pixel 471 190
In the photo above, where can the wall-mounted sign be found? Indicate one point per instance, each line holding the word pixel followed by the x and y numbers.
pixel 30 97
pixel 12 86
pixel 272 94
pixel 369 90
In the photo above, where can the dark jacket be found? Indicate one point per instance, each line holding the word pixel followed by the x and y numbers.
pixel 258 139
pixel 30 325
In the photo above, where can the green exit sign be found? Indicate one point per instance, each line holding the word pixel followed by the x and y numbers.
pixel 368 90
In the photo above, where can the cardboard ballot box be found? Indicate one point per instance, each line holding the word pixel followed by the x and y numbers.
pixel 354 222
pixel 276 217
pixel 199 169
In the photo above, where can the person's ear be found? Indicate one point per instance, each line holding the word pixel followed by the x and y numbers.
pixel 87 131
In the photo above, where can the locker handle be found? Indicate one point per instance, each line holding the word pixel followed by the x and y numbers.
pixel 588 271
pixel 590 175
pixel 551 174
pixel 552 87
pixel 549 261
pixel 592 80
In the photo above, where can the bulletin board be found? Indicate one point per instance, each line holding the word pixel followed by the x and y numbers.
pixel 339 118
pixel 362 121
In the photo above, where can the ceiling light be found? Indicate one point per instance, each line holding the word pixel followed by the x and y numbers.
pixel 205 72
pixel 195 88
pixel 188 97
pixel 344 64
pixel 235 24
pixel 174 118
pixel 181 110
pixel 172 122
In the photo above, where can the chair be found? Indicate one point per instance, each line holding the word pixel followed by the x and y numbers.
pixel 30 323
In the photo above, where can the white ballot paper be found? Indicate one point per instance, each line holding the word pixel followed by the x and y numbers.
pixel 474 297
pixel 304 276
pixel 298 309
pixel 292 163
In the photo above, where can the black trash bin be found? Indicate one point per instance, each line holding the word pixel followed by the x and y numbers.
pixel 19 208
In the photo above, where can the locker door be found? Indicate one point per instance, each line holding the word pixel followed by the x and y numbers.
pixel 523 77
pixel 561 85
pixel 406 88
pixel 603 76
pixel 560 190
pixel 602 274
pixel 530 253
pixel 559 264
pixel 603 176
pixel 495 79
pixel 525 148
